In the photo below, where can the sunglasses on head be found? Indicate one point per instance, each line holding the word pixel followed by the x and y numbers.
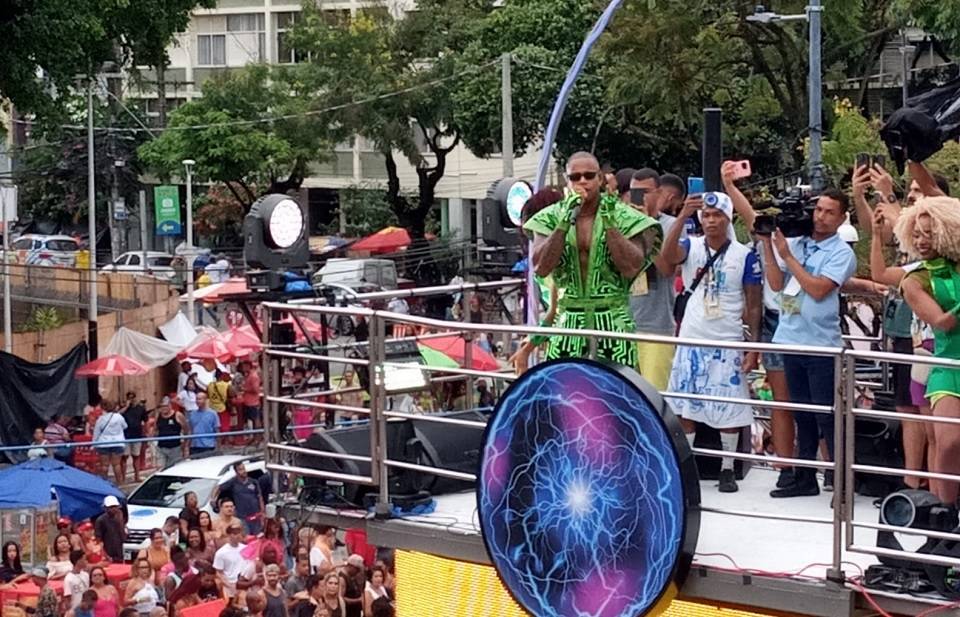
pixel 587 175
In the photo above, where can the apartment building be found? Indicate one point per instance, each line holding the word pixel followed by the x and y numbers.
pixel 238 32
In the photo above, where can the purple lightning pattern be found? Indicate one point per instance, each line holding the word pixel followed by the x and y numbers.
pixel 581 495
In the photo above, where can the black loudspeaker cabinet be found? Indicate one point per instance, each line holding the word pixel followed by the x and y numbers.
pixel 709 466
pixel 447 446
pixel 878 442
pixel 282 333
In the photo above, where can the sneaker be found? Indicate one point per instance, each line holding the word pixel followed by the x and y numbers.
pixel 786 477
pixel 728 482
pixel 797 489
pixel 828 480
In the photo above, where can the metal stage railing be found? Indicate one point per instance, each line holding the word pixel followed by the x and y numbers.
pixel 844 410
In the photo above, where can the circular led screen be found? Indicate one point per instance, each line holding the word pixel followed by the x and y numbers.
pixel 285 224
pixel 588 495
pixel 517 196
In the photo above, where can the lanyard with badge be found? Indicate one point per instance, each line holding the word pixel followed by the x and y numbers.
pixel 792 295
pixel 715 276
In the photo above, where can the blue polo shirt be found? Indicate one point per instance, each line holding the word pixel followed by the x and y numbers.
pixel 202 422
pixel 816 322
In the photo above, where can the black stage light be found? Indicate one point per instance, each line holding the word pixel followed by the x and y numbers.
pixel 275 238
pixel 914 509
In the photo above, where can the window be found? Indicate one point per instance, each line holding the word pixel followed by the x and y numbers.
pixel 286 54
pixel 169 491
pixel 134 260
pixel 23 244
pixel 62 245
pixel 211 50
pixel 248 31
pixel 162 262
pixel 121 261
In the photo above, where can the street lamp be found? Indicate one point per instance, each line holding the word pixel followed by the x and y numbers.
pixel 814 82
pixel 188 165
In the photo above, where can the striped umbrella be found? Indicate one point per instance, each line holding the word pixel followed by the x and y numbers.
pixel 112 366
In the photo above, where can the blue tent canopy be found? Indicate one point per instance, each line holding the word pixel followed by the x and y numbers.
pixel 33 484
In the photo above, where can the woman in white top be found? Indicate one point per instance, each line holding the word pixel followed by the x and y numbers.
pixel 109 429
pixel 39 449
pixel 140 592
pixel 188 396
pixel 375 589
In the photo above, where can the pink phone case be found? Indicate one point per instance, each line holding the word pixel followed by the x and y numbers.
pixel 743 170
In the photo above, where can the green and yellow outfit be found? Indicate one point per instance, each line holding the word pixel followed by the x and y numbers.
pixel 941 279
pixel 601 302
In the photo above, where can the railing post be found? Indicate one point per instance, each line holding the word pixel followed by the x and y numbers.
pixel 270 383
pixel 840 463
pixel 849 446
pixel 468 347
pixel 592 346
pixel 379 472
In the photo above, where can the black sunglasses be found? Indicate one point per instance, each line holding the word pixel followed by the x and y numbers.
pixel 587 175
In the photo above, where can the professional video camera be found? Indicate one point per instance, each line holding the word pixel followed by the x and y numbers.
pixel 795 217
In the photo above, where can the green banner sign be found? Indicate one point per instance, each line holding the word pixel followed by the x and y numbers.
pixel 166 203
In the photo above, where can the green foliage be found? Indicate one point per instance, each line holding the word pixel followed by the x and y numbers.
pixel 236 152
pixel 947 162
pixel 366 210
pixel 937 17
pixel 64 38
pixel 53 172
pixel 43 319
pixel 850 135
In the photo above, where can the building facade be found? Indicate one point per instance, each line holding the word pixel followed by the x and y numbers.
pixel 239 32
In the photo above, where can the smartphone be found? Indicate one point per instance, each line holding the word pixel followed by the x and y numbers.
pixel 880 160
pixel 863 160
pixel 742 170
pixel 637 196
pixel 695 186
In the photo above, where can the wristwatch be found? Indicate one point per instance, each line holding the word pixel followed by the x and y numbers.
pixel 891 198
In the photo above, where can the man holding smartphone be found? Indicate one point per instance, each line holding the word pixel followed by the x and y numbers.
pixel 652 293
pixel 594 246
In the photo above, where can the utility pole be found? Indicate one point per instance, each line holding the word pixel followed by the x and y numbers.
pixel 7 311
pixel 91 229
pixel 506 96
pixel 143 230
pixel 188 164
pixel 815 84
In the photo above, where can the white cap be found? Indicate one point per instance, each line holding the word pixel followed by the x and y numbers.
pixel 847 232
pixel 719 201
pixel 110 501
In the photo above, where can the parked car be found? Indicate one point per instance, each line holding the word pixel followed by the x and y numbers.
pixel 162 494
pixel 355 273
pixel 157 264
pixel 42 250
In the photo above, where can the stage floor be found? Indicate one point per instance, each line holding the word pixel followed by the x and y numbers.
pixel 731 542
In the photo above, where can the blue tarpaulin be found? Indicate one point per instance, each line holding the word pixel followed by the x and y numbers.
pixel 34 484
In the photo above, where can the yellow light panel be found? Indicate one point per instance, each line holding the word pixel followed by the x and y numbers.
pixel 430 586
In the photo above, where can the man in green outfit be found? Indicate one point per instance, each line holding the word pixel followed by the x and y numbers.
pixel 594 245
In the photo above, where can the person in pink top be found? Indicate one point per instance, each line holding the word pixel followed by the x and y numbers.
pixel 252 387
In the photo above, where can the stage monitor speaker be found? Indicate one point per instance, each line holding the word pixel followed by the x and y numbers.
pixel 401 445
pixel 282 333
pixel 709 466
pixel 453 447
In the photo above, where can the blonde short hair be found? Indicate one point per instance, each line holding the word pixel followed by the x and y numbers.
pixel 944 215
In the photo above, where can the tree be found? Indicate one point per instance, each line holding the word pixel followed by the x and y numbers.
pixel 53 173
pixel 365 209
pixel 249 130
pixel 63 38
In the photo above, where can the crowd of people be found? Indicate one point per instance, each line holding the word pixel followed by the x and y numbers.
pixel 272 570
pixel 630 251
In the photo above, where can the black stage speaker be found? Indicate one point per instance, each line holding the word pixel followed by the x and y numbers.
pixel 282 333
pixel 447 446
pixel 878 442
pixel 709 466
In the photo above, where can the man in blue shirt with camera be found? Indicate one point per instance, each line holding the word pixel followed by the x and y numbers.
pixel 811 270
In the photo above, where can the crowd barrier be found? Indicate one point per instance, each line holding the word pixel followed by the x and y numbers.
pixel 844 410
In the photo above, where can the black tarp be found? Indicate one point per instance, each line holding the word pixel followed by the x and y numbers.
pixel 31 394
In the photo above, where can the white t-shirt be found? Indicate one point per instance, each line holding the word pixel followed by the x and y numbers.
pixel 317 559
pixel 231 563
pixel 74 585
pixel 715 308
pixel 110 427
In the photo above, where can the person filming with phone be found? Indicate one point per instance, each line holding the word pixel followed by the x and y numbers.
pixel 808 272
pixel 594 246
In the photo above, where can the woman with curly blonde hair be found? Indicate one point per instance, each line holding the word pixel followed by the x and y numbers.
pixel 930 232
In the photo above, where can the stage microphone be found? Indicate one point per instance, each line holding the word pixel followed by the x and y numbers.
pixel 712 148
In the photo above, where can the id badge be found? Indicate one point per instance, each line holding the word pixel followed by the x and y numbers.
pixel 711 302
pixel 791 297
pixel 640 286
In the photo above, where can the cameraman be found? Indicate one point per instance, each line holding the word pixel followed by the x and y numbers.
pixel 808 272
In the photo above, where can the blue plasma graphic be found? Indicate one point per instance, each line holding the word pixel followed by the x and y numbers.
pixel 581 494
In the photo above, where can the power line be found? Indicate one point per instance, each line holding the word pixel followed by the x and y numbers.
pixel 316 112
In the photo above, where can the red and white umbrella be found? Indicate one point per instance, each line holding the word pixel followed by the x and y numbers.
pixel 208 348
pixel 454 347
pixel 112 366
pixel 241 341
pixel 387 240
